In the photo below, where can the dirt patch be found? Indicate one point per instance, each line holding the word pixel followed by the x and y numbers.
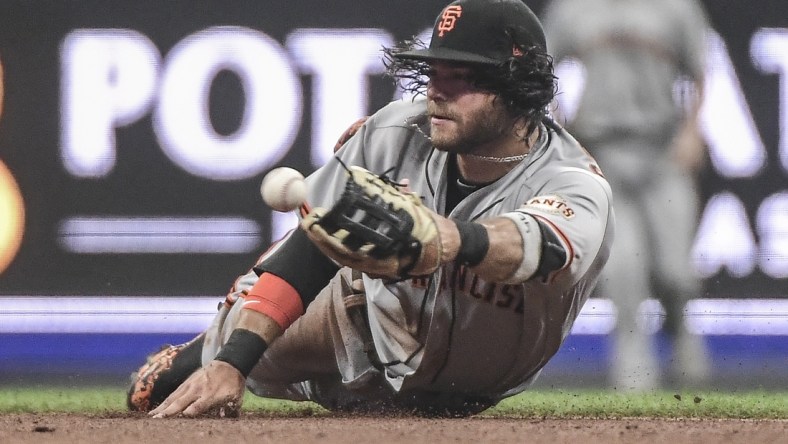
pixel 255 428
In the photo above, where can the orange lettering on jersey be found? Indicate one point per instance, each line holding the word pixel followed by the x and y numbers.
pixel 504 296
pixel 449 19
pixel 551 204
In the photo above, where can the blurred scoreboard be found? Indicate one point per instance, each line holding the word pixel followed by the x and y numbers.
pixel 134 135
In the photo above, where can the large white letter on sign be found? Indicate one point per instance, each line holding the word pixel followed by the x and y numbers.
pixel 769 47
pixel 724 238
pixel 773 231
pixel 340 62
pixel 108 81
pixel 273 104
pixel 735 147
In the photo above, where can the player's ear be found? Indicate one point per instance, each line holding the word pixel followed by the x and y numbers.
pixel 352 129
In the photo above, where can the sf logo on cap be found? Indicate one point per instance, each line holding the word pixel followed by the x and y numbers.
pixel 449 18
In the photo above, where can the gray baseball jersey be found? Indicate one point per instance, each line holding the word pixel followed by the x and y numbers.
pixel 454 331
pixel 632 55
pixel 633 51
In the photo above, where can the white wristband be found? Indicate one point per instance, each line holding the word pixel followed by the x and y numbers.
pixel 532 246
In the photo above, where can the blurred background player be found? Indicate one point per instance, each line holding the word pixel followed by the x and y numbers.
pixel 649 146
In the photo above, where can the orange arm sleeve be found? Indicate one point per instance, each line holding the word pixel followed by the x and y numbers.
pixel 274 297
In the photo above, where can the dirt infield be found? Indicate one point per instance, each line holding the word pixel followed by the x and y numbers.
pixel 122 429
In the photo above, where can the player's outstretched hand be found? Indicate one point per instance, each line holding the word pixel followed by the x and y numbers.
pixel 216 388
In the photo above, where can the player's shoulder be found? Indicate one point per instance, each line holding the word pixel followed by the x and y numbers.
pixel 691 11
pixel 568 158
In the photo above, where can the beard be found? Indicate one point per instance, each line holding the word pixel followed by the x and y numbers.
pixel 470 132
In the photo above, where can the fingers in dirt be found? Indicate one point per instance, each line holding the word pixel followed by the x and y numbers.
pixel 176 403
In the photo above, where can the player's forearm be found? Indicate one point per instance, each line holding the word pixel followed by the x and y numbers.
pixel 505 253
pixel 516 248
pixel 249 340
pixel 260 324
pixel 692 111
pixel 502 256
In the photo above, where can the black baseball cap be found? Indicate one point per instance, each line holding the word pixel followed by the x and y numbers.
pixel 481 31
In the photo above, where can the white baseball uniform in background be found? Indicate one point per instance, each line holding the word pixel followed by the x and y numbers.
pixel 633 52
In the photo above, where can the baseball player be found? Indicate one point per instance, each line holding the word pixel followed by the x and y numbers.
pixel 633 51
pixel 449 247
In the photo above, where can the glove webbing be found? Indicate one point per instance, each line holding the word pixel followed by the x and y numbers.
pixel 371 220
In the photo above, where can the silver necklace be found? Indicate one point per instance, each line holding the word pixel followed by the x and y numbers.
pixel 507 159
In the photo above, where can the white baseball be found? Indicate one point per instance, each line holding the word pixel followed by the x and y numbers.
pixel 283 189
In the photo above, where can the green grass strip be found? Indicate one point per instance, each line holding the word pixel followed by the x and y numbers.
pixel 101 400
pixel 659 404
pixel 530 404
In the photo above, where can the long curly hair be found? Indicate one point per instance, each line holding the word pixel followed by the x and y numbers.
pixel 525 84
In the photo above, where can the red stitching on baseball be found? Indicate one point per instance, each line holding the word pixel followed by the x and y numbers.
pixel 283 198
